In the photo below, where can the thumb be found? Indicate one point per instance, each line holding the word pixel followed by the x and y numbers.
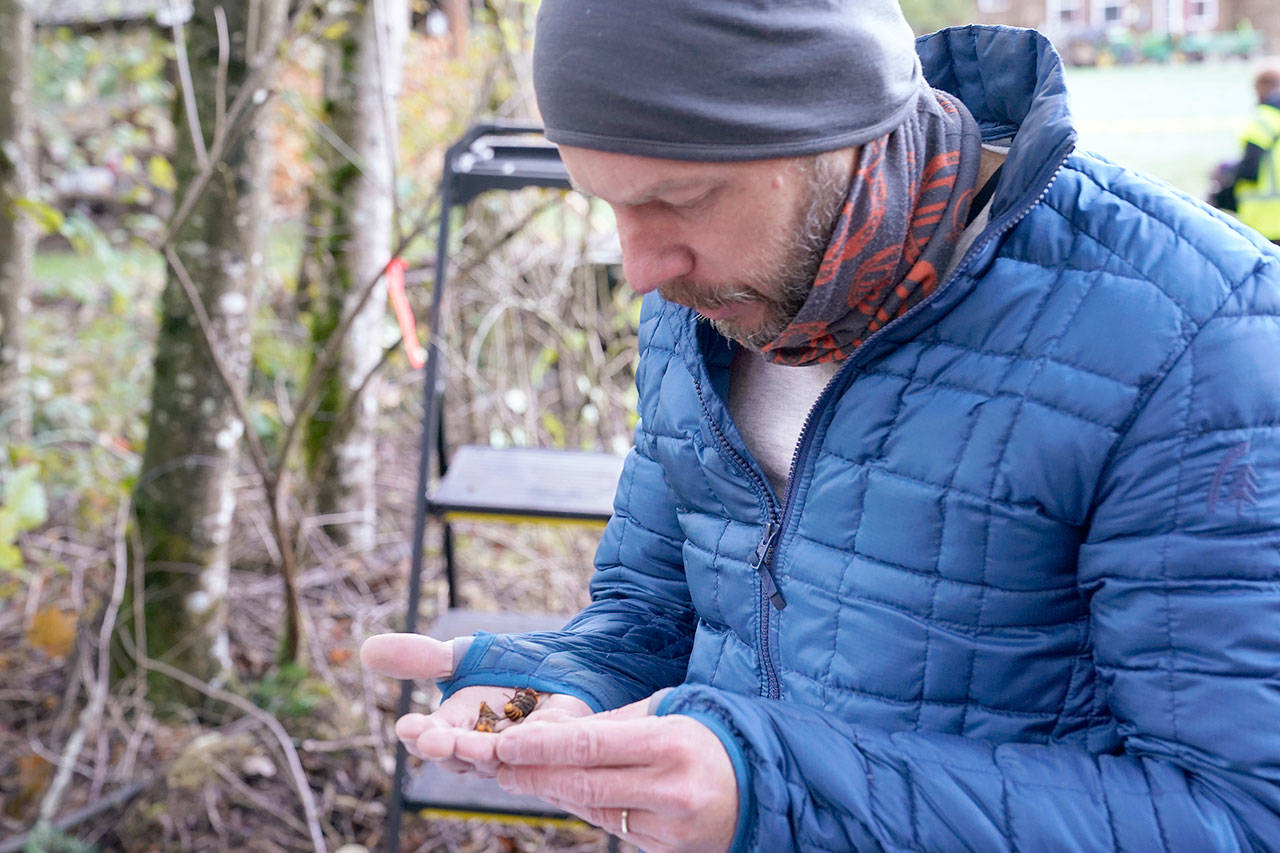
pixel 408 656
pixel 636 710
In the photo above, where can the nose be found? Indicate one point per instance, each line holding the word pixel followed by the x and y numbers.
pixel 652 253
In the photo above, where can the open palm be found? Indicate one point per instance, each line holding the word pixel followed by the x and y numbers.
pixel 448 734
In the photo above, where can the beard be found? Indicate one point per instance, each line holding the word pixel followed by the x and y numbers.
pixel 781 272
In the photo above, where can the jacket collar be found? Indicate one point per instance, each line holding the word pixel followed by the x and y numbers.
pixel 1013 83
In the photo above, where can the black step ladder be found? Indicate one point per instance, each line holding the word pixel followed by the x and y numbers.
pixel 480 482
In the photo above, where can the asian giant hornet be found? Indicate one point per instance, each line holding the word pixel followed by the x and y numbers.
pixel 486 718
pixel 521 704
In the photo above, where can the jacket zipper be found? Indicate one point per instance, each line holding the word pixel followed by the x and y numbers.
pixel 775 521
pixel 770 595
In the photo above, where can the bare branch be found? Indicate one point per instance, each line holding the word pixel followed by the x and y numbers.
pixel 115 798
pixel 92 714
pixel 333 346
pixel 282 737
pixel 323 130
pixel 188 90
pixel 256 451
pixel 246 97
pixel 220 81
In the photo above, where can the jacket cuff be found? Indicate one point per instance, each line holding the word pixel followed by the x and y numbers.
pixel 484 663
pixel 686 702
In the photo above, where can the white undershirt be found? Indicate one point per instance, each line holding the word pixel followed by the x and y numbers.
pixel 770 402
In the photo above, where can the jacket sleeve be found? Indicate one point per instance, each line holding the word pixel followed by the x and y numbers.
pixel 635 636
pixel 1181 567
pixel 1250 165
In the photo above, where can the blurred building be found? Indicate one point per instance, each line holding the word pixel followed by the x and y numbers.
pixel 95 14
pixel 104 136
pixel 1145 29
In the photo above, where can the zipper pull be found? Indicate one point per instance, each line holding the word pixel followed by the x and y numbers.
pixel 763 550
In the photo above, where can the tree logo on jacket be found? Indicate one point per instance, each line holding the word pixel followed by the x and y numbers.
pixel 1235 481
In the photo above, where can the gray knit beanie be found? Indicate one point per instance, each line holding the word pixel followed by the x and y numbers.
pixel 723 79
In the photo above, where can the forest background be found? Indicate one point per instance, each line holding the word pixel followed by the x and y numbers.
pixel 209 416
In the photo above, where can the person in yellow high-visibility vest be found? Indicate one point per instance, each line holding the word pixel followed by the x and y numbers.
pixel 1257 176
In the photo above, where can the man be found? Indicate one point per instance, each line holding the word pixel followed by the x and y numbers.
pixel 958 531
pixel 1254 188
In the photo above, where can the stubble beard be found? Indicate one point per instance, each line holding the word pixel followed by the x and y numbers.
pixel 787 267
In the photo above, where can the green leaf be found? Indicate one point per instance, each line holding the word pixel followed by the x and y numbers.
pixel 555 428
pixel 10 556
pixel 47 217
pixel 24 497
pixel 160 173
pixel 336 30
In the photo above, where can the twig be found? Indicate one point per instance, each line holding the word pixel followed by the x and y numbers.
pixel 211 809
pixel 352 400
pixel 136 602
pixel 92 713
pixel 253 796
pixel 256 452
pixel 220 81
pixel 323 130
pixel 281 736
pixel 354 742
pixel 333 346
pixel 79 816
pixel 245 99
pixel 188 90
pixel 252 23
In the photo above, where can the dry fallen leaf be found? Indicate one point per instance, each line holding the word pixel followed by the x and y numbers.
pixel 34 776
pixel 53 631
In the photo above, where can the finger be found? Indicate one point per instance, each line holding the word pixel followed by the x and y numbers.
pixel 453 765
pixel 410 726
pixel 610 820
pixel 414 725
pixel 587 787
pixel 634 711
pixel 588 742
pixel 476 747
pixel 437 744
pixel 559 707
pixel 408 656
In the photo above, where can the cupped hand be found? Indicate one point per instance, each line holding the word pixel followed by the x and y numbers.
pixel 448 734
pixel 670 775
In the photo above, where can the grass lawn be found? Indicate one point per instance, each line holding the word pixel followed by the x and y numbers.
pixel 1171 121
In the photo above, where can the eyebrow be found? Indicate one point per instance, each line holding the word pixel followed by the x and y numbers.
pixel 660 188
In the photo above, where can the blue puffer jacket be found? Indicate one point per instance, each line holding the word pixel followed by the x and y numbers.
pixel 1030 553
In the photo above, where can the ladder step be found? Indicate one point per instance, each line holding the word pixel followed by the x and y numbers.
pixel 463 622
pixel 528 483
pixel 438 791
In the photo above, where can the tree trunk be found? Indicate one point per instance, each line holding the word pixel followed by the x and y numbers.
pixel 362 81
pixel 184 498
pixel 17 232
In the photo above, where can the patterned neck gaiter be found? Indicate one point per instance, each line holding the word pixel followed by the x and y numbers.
pixel 905 210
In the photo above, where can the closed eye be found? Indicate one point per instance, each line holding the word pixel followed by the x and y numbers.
pixel 694 204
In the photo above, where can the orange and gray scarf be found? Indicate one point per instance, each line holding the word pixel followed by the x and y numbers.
pixel 905 210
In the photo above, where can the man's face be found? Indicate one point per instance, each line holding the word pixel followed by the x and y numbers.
pixel 740 243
